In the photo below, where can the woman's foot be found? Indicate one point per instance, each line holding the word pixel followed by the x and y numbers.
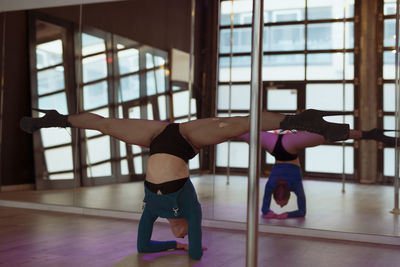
pixel 51 119
pixel 312 120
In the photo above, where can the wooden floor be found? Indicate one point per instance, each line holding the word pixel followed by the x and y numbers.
pixel 362 209
pixel 40 238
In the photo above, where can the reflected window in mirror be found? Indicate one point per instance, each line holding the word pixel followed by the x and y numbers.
pixel 115 77
pixel 50 71
pixel 307 62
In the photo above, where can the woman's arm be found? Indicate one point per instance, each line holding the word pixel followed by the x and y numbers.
pixel 301 203
pixel 267 197
pixel 145 229
pixel 194 232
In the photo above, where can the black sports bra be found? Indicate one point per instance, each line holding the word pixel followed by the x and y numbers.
pixel 280 153
pixel 170 141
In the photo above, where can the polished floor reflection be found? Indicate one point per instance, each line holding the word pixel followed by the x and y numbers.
pixel 361 209
pixel 42 238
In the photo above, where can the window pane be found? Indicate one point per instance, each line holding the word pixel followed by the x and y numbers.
pixel 155 82
pixel 150 115
pixel 283 67
pixel 98 149
pixel 94 68
pixel 49 54
pixel 332 9
pixel 329 66
pixel 269 159
pixel 239 155
pixel 181 106
pixel 124 167
pixel 136 149
pixel 329 96
pixel 389 69
pixel 99 170
pixel 122 149
pixel 329 36
pixel 240 69
pixel 389 33
pixel 92 44
pixel 282 99
pixel 389 123
pixel 286 10
pixel 134 113
pixel 55 136
pixel 162 107
pixel 329 159
pixel 62 176
pixel 137 162
pixel 128 61
pixel 241 41
pixel 59 159
pixel 389 99
pixel 242 12
pixel 389 161
pixel 154 61
pixel 95 95
pixel 194 163
pixel 129 88
pixel 283 38
pixel 240 97
pixel 57 102
pixel 50 80
pixel 389 7
pixel 150 83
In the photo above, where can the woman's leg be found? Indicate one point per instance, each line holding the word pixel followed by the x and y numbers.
pixel 131 131
pixel 298 141
pixel 212 131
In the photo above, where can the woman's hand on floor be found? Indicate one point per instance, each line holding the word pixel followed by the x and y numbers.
pixel 269 215
pixel 185 247
pixel 282 216
pixel 182 246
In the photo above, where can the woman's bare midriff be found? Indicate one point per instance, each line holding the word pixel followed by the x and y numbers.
pixel 294 161
pixel 163 168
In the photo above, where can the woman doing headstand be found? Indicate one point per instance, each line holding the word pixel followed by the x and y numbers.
pixel 285 176
pixel 169 192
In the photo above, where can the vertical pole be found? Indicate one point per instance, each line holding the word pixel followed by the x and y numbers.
pixel 77 107
pixel 191 57
pixel 228 168
pixel 3 54
pixel 254 157
pixel 397 95
pixel 344 95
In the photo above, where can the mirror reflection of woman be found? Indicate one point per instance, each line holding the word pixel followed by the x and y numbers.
pixel 169 192
pixel 285 176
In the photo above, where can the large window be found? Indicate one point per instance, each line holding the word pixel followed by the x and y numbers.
pixel 308 62
pixel 116 77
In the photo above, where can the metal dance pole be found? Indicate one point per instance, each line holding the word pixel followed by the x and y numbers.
pixel 191 57
pixel 397 126
pixel 254 157
pixel 228 169
pixel 344 96
pixel 3 54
